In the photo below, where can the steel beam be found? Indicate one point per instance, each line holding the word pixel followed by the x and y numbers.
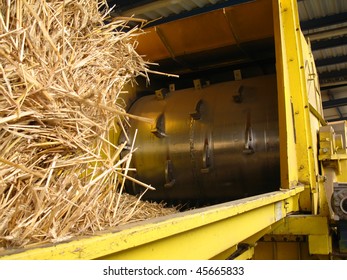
pixel 323 21
pixel 197 11
pixel 333 79
pixel 327 85
pixel 297 158
pixel 335 103
pixel 196 234
pixel 315 227
pixel 333 74
pixel 339 119
pixel 331 60
pixel 327 34
pixel 331 97
pixel 328 43
pixel 303 225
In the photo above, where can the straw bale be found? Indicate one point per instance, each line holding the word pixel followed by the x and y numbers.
pixel 62 70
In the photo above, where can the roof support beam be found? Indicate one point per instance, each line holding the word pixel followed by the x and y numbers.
pixel 340 75
pixel 331 97
pixel 332 84
pixel 339 119
pixel 197 11
pixel 326 34
pixel 331 43
pixel 323 21
pixel 335 103
pixel 331 60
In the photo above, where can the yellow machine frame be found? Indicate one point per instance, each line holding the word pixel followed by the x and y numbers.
pixel 293 223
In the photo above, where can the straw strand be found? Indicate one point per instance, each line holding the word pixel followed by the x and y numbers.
pixel 62 70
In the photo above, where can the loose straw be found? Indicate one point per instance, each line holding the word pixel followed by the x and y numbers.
pixel 62 69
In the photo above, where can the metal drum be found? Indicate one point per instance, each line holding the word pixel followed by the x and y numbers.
pixel 216 143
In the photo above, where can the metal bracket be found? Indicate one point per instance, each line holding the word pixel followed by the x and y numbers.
pixel 159 129
pixel 206 158
pixel 332 145
pixel 238 98
pixel 172 87
pixel 169 177
pixel 161 93
pixel 197 84
pixel 196 115
pixel 249 139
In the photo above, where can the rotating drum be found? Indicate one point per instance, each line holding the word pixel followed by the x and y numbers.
pixel 216 143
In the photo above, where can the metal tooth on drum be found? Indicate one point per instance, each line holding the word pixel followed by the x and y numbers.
pixel 216 143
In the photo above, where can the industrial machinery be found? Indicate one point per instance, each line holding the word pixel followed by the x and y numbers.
pixel 248 136
pixel 209 144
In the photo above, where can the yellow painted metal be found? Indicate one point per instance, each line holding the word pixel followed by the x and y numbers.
pixel 215 232
pixel 326 189
pixel 289 175
pixel 231 26
pixel 288 241
pixel 292 247
pixel 252 240
pixel 303 225
pixel 196 234
pixel 319 244
pixel 246 255
pixel 342 176
pixel 315 227
pixel 282 250
pixel 297 81
pixel 333 160
pixel 328 148
pixel 333 149
pixel 287 250
pixel 225 254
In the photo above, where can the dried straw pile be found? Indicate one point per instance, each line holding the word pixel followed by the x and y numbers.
pixel 61 72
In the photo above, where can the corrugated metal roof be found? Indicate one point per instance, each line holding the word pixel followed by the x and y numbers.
pixel 324 23
pixel 328 53
pixel 163 8
pixel 311 9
